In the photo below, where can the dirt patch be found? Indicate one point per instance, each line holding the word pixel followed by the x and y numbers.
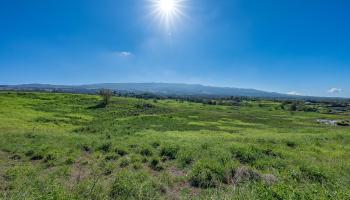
pixel 80 170
pixel 176 172
pixel 269 179
pixel 244 174
pixel 174 193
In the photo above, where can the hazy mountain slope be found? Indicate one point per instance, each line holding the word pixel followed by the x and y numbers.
pixel 157 88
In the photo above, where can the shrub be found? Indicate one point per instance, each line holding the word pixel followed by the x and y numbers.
pixel 29 153
pixel 124 162
pixel 169 152
pixel 144 105
pixel 230 169
pixel 135 158
pixel 137 165
pixel 49 157
pixel 12 173
pixel 69 161
pixel 246 155
pixel 146 152
pixel 155 144
pixel 105 147
pixel 144 160
pixel 185 158
pixel 313 173
pixel 86 148
pixel 15 157
pixel 207 174
pixel 291 144
pixel 205 146
pixel 155 164
pixel 293 107
pixel 112 156
pixel 250 155
pixel 134 185
pixel 121 151
pixel 133 146
pixel 37 156
pixel 343 123
pixel 108 169
pixel 106 96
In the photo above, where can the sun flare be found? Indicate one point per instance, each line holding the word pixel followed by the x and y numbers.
pixel 167 6
pixel 167 12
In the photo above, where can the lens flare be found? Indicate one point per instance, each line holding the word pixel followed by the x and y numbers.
pixel 167 12
pixel 167 6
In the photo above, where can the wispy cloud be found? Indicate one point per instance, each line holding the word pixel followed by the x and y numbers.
pixel 124 54
pixel 335 90
pixel 293 93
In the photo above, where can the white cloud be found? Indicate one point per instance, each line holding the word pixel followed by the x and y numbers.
pixel 335 90
pixel 293 93
pixel 124 54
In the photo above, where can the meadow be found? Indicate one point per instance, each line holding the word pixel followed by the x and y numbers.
pixel 66 146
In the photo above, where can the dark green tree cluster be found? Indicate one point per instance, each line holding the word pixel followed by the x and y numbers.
pixel 106 96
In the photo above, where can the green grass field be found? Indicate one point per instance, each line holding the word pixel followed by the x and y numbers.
pixel 63 146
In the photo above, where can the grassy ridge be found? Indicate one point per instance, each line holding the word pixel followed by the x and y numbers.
pixel 61 146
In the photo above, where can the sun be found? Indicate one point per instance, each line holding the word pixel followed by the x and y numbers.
pixel 167 12
pixel 167 6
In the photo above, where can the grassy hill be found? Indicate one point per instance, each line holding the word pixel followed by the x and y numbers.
pixel 63 146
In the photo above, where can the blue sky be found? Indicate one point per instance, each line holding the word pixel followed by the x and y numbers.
pixel 289 46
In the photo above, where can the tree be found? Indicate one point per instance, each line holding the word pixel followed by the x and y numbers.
pixel 293 107
pixel 283 105
pixel 106 96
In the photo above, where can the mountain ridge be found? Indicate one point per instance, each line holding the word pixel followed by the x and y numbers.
pixel 175 89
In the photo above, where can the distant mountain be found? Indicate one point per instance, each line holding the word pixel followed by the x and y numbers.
pixel 164 89
pixel 155 88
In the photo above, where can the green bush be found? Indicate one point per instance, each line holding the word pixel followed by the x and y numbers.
pixel 134 185
pixel 16 157
pixel 124 162
pixel 185 158
pixel 86 148
pixel 37 156
pixel 313 174
pixel 169 151
pixel 245 155
pixel 155 144
pixel 121 151
pixel 105 147
pixel 146 151
pixel 137 165
pixel 106 95
pixel 50 157
pixel 206 174
pixel 69 161
pixel 108 169
pixel 249 155
pixel 291 144
pixel 29 153
pixel 111 157
pixel 155 164
pixel 343 123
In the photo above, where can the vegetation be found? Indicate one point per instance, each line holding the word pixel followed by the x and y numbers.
pixel 106 96
pixel 63 146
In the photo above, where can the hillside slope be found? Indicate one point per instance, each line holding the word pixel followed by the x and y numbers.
pixel 63 146
pixel 155 88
